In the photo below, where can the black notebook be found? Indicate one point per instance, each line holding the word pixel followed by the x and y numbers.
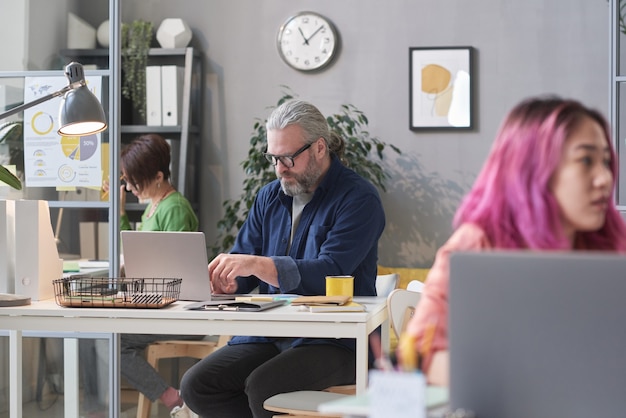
pixel 234 305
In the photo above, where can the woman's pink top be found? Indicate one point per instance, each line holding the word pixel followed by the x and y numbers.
pixel 432 309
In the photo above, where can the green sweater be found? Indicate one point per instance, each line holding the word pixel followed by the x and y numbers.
pixel 174 213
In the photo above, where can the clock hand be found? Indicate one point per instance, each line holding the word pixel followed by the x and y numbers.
pixel 313 34
pixel 306 41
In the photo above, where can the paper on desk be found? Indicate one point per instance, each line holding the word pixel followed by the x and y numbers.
pixel 70 266
pixel 93 264
pixel 397 394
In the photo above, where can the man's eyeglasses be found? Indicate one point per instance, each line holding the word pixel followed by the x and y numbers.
pixel 286 160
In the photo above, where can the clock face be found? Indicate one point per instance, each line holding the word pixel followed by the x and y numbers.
pixel 307 41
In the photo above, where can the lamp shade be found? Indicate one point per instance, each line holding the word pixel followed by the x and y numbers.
pixel 80 112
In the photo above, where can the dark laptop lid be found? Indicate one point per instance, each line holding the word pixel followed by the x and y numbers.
pixel 538 334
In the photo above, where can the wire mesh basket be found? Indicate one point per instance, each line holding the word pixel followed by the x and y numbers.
pixel 86 291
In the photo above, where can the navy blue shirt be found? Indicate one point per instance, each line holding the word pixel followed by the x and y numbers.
pixel 337 234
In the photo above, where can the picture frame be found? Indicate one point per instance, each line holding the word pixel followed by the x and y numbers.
pixel 440 88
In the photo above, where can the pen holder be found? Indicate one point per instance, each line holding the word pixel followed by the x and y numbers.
pixel 397 394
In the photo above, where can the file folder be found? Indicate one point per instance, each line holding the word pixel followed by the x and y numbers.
pixel 37 262
pixel 172 79
pixel 153 95
pixel 7 247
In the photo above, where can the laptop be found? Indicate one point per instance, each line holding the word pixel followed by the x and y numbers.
pixel 169 255
pixel 538 334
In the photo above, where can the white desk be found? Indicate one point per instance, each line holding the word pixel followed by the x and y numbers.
pixel 285 321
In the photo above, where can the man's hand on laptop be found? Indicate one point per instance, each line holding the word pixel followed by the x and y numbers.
pixel 225 268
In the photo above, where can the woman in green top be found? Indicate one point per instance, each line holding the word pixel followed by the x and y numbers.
pixel 145 165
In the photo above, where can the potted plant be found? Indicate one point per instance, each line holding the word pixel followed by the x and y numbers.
pixel 363 154
pixel 137 38
pixel 11 138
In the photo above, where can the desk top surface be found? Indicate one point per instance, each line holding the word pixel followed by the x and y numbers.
pixel 49 308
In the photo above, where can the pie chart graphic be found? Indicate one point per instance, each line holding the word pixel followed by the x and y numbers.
pixel 79 148
pixel 41 123
pixel 66 173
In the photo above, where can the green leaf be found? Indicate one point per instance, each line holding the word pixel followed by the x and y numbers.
pixel 11 132
pixel 135 45
pixel 8 177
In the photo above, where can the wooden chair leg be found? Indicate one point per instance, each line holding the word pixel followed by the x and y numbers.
pixel 175 349
pixel 144 404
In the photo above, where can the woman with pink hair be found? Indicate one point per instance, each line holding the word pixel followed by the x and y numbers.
pixel 547 184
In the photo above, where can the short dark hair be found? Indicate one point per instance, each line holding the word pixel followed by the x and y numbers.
pixel 143 158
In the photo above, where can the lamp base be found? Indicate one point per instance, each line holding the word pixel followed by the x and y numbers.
pixel 9 299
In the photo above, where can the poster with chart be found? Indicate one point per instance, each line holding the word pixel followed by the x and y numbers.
pixel 52 160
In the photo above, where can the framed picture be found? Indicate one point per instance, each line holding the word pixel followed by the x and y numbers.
pixel 440 85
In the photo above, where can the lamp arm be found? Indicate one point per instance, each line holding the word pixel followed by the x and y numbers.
pixel 35 102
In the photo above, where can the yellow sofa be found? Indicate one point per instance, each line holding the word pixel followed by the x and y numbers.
pixel 406 274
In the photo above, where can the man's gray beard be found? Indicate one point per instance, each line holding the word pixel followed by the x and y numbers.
pixel 303 182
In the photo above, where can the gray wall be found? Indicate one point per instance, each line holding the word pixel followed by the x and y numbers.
pixel 523 48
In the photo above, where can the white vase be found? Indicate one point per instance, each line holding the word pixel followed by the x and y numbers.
pixel 103 34
pixel 173 33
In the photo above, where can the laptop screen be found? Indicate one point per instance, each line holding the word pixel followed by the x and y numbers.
pixel 538 334
pixel 150 254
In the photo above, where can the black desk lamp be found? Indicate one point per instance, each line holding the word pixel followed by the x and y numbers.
pixel 80 112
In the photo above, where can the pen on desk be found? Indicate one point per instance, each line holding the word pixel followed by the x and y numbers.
pixel 221 308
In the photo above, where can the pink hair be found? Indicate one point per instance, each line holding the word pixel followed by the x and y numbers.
pixel 511 199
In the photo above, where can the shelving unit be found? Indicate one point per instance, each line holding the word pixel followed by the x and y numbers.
pixel 617 97
pixel 188 132
pixel 70 206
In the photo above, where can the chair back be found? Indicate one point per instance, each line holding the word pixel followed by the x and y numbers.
pixel 415 286
pixel 401 307
pixel 386 283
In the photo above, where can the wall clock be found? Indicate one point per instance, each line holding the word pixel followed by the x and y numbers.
pixel 307 41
